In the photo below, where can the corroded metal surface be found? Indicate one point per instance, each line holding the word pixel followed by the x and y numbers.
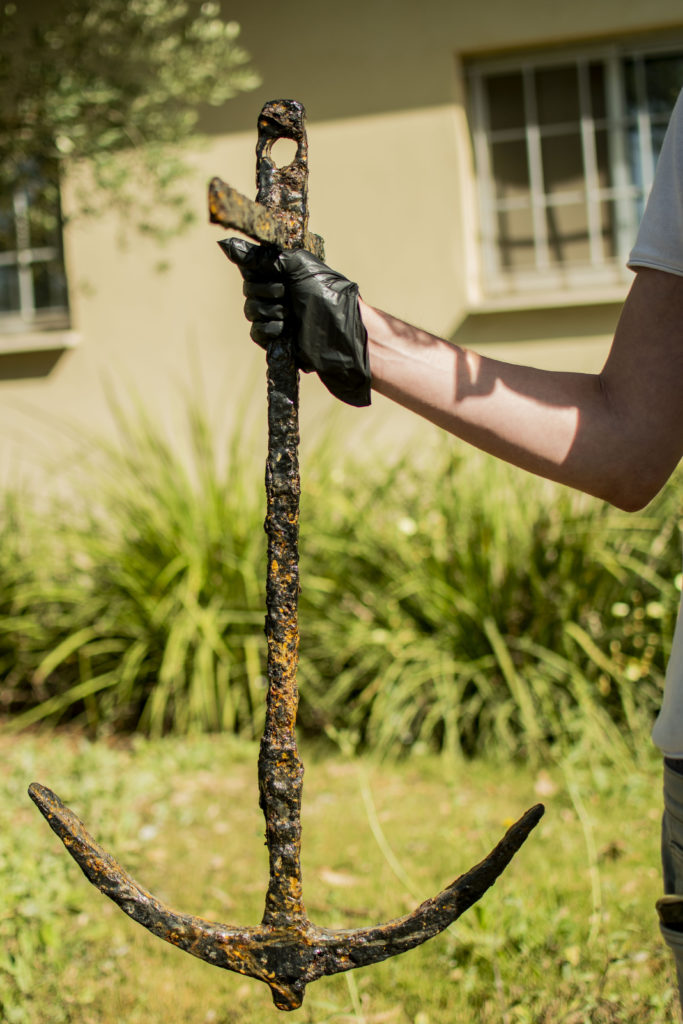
pixel 286 951
pixel 288 956
pixel 232 209
pixel 280 768
pixel 280 214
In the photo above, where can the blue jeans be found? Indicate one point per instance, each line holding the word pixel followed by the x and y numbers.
pixel 671 906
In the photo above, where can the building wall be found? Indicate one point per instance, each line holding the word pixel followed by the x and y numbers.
pixel 392 191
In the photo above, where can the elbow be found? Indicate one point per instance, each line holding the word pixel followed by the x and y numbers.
pixel 631 490
pixel 630 502
pixel 630 458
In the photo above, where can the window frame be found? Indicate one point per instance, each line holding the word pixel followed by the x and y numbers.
pixel 31 327
pixel 548 284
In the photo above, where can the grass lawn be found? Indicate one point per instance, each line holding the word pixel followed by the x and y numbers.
pixel 568 934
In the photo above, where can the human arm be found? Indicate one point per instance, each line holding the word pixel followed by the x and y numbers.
pixel 617 434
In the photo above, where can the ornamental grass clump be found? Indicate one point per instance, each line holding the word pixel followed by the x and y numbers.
pixel 146 612
pixel 457 604
pixel 448 603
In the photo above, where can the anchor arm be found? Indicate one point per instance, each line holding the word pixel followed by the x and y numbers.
pixel 259 952
pixel 363 946
pixel 204 939
pixel 288 956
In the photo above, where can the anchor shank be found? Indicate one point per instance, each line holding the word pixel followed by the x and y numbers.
pixel 280 768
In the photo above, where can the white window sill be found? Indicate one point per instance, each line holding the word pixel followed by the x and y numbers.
pixel 549 299
pixel 37 341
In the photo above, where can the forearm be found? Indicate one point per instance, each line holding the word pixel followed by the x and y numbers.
pixel 568 427
pixel 617 434
pixel 526 416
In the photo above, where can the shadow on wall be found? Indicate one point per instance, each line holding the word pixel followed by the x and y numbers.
pixel 28 365
pixel 529 325
pixel 341 60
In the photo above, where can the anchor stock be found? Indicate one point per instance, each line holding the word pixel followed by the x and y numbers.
pixel 286 951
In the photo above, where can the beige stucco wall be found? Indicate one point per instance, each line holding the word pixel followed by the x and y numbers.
pixel 391 191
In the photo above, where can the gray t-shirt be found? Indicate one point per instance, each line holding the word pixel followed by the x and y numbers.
pixel 659 245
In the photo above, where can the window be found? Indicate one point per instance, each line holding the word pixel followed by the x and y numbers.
pixel 565 147
pixel 33 291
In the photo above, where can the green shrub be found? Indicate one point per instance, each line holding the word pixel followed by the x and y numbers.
pixel 448 602
pixel 459 604
pixel 144 609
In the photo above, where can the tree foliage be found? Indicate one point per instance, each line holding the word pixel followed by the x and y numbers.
pixel 116 83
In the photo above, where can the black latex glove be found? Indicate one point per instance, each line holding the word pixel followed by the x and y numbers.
pixel 320 305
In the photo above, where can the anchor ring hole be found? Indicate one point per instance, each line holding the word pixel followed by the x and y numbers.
pixel 283 152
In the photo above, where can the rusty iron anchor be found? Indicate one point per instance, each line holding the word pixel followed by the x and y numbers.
pixel 286 951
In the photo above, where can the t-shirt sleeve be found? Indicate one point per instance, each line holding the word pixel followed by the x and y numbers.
pixel 659 242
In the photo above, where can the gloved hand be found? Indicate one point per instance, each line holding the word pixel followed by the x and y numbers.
pixel 321 306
